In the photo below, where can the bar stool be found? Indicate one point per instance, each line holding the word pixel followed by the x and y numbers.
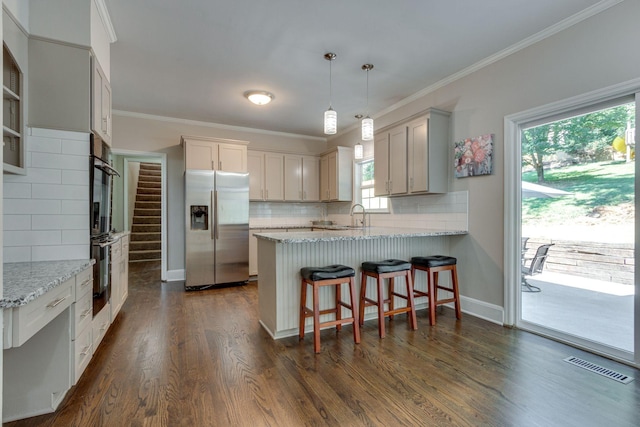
pixel 332 275
pixel 387 269
pixel 432 265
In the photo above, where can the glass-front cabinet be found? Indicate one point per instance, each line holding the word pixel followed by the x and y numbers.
pixel 13 107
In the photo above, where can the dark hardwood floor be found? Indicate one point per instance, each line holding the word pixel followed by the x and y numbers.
pixel 201 359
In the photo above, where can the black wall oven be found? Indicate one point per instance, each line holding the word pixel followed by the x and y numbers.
pixel 101 176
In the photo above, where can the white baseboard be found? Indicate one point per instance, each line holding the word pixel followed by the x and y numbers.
pixel 175 275
pixel 483 310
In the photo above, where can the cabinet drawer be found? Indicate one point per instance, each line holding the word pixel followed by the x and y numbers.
pixel 84 283
pixel 29 319
pixel 83 313
pixel 100 325
pixel 82 352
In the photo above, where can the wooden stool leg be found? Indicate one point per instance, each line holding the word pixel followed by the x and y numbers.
pixel 456 294
pixel 363 292
pixel 303 305
pixel 338 288
pixel 380 307
pixel 432 280
pixel 316 320
pixel 392 289
pixel 354 312
pixel 413 321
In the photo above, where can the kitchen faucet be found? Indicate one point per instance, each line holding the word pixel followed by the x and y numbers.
pixel 364 213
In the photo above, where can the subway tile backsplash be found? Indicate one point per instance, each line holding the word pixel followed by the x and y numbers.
pixel 46 212
pixel 434 211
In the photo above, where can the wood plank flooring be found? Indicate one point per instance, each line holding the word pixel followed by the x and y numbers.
pixel 174 358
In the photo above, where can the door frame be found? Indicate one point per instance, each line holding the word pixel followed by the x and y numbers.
pixel 141 156
pixel 513 204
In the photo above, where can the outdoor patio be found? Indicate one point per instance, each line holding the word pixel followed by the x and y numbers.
pixel 592 309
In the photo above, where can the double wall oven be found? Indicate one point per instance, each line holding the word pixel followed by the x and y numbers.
pixel 101 176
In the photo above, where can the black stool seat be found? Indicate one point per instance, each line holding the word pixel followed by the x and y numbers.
pixel 433 261
pixel 386 266
pixel 336 271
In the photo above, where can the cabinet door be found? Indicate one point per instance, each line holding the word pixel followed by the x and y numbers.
pixel 381 164
pixel 310 178
pixel 274 176
pixel 333 176
pixel 201 155
pixel 418 156
pixel 232 158
pixel 253 253
pixel 398 160
pixel 255 165
pixel 292 178
pixel 100 102
pixel 324 178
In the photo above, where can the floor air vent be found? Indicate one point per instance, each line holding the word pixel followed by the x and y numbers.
pixel 625 379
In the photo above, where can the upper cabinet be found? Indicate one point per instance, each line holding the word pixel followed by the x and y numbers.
pixel 301 178
pixel 266 176
pixel 336 175
pixel 390 161
pixel 215 154
pixel 411 158
pixel 13 106
pixel 100 102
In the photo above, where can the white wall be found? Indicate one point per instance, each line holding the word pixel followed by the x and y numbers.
pixel 149 134
pixel 593 54
pixel 46 212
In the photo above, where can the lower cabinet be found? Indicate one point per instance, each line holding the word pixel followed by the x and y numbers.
pixel 81 326
pixel 119 275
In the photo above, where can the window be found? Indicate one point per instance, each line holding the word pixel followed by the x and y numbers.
pixel 365 184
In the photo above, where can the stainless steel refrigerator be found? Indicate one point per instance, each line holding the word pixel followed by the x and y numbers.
pixel 217 228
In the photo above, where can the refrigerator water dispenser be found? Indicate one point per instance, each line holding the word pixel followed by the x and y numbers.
pixel 199 217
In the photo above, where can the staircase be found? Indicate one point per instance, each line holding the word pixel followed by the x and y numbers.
pixel 146 241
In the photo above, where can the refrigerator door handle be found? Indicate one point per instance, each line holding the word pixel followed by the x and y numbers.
pixel 214 203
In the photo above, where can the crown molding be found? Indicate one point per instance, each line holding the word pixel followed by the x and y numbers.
pixel 215 125
pixel 535 38
pixel 103 12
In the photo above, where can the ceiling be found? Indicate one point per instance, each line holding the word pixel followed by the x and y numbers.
pixel 194 59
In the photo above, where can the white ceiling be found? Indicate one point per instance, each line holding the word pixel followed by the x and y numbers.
pixel 194 59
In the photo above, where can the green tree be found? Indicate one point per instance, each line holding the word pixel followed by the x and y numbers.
pixel 585 137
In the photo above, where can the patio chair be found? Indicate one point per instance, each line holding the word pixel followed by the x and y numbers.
pixel 534 267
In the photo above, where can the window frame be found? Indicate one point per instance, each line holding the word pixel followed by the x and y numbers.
pixel 359 187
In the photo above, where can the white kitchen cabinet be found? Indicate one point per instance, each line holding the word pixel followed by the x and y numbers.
pixel 82 313
pixel 427 151
pixel 100 102
pixel 119 274
pixel 13 112
pixel 301 178
pixel 390 161
pixel 336 175
pixel 266 176
pixel 412 158
pixel 215 154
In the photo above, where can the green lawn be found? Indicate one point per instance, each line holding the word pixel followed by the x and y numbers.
pixel 597 188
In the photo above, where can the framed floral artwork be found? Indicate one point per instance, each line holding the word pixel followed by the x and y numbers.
pixel 473 156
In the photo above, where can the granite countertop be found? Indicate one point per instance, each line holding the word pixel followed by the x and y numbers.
pixel 26 281
pixel 367 233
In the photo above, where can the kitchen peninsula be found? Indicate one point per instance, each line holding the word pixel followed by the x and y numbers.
pixel 282 255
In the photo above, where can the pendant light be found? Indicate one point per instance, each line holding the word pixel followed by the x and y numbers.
pixel 358 151
pixel 367 122
pixel 330 116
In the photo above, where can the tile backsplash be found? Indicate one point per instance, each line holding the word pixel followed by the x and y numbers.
pixel 448 211
pixel 46 211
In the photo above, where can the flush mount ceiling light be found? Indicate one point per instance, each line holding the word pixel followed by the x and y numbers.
pixel 259 97
pixel 330 116
pixel 367 122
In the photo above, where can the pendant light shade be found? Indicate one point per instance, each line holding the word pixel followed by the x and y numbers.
pixel 367 122
pixel 367 129
pixel 358 151
pixel 330 116
pixel 330 121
